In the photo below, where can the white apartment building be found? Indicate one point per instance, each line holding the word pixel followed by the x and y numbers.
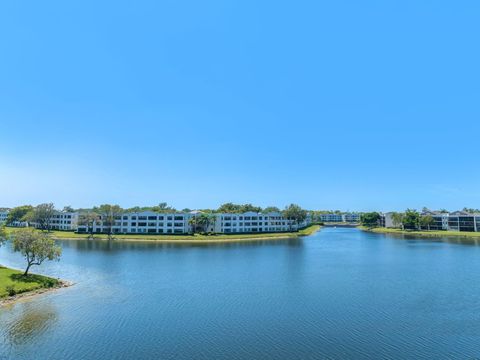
pixel 347 217
pixel 149 222
pixel 146 222
pixel 64 221
pixel 252 222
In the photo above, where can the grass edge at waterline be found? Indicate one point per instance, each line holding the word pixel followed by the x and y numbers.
pixel 423 233
pixel 185 238
pixel 14 285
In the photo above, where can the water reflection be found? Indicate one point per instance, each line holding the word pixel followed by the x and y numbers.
pixel 461 240
pixel 122 245
pixel 30 321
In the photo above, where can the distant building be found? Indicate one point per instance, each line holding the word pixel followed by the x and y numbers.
pixel 3 215
pixel 340 218
pixel 455 221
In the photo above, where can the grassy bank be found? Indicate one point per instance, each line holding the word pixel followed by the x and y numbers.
pixel 70 235
pixel 12 282
pixel 424 233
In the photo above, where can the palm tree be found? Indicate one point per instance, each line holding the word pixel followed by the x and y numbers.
pixel 397 219
pixel 88 219
pixel 193 223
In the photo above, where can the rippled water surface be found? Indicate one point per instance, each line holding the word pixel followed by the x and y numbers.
pixel 340 294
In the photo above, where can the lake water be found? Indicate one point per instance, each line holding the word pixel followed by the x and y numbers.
pixel 340 294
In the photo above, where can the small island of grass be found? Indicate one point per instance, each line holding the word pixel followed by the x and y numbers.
pixel 14 283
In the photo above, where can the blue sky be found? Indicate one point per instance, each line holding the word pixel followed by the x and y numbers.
pixel 354 105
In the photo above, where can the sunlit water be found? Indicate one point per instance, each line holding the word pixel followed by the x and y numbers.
pixel 340 294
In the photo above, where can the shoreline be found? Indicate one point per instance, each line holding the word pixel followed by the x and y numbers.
pixel 432 234
pixel 26 287
pixel 27 295
pixel 191 239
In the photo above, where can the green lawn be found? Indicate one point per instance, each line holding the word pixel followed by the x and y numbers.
pixel 70 235
pixel 13 282
pixel 424 233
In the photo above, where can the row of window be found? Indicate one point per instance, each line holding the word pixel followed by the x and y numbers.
pixel 252 218
pixel 134 217
pixel 227 224
pixel 251 230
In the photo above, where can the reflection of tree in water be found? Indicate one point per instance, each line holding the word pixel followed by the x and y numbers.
pixel 29 322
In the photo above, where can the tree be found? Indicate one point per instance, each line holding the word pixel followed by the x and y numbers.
pixel 88 219
pixel 426 221
pixel 250 208
pixel 68 208
pixel 35 246
pixel 471 210
pixel 270 209
pixel 202 222
pixel 236 208
pixel 163 207
pixel 108 214
pixel 397 219
pixel 18 214
pixel 229 208
pixel 193 222
pixel 3 235
pixel 411 220
pixel 41 215
pixel 370 219
pixel 294 213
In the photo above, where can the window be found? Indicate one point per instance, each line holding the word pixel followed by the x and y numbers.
pixel 152 218
pixel 178 217
pixel 134 224
pixel 142 218
pixel 134 218
pixel 142 224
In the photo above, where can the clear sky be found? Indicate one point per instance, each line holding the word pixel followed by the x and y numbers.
pixel 354 105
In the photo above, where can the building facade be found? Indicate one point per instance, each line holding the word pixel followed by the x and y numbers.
pixel 455 221
pixel 340 218
pixel 252 222
pixel 149 222
pixel 64 221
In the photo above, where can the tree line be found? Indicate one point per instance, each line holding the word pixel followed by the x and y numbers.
pixel 412 220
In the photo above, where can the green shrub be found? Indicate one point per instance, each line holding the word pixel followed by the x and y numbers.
pixel 10 290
